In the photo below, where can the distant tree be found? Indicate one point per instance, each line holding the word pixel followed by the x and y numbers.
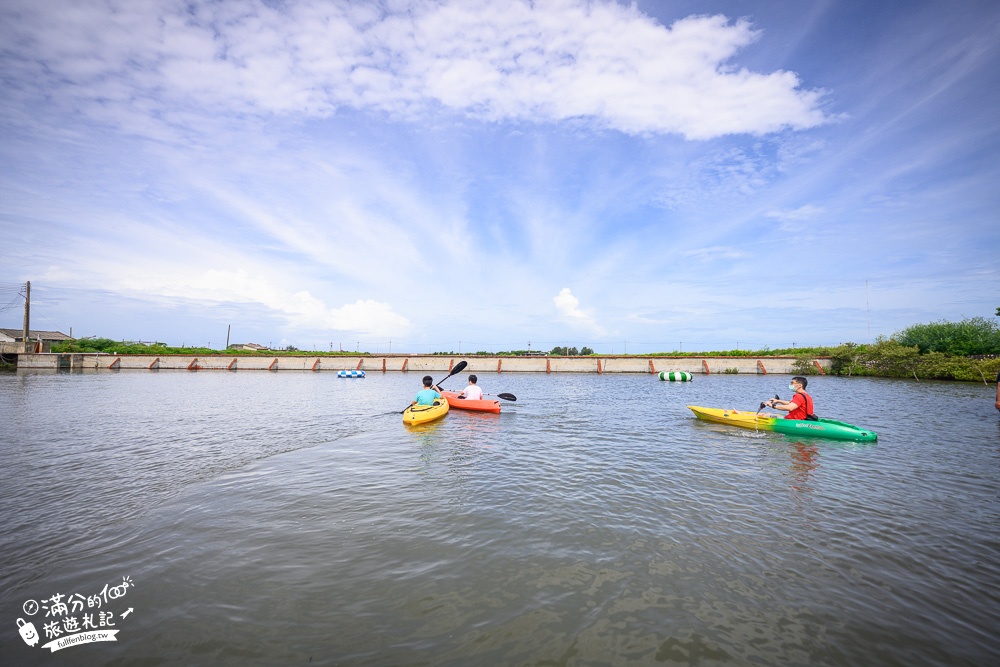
pixel 573 352
pixel 804 364
pixel 558 351
pixel 890 358
pixel 586 351
pixel 974 335
pixel 844 357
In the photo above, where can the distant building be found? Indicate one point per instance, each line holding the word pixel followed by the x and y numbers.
pixel 42 340
pixel 251 347
pixel 14 336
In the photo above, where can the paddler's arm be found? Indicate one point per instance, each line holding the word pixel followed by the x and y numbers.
pixel 787 406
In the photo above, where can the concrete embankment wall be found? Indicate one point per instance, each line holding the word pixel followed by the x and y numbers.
pixel 416 363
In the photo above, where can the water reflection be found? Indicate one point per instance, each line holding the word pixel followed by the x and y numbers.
pixel 805 460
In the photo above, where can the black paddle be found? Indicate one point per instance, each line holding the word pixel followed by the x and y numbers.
pixel 762 403
pixel 506 397
pixel 459 367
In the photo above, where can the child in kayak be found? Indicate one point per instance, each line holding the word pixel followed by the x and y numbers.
pixel 801 404
pixel 472 392
pixel 429 393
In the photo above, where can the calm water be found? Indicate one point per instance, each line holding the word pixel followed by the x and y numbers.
pixel 290 518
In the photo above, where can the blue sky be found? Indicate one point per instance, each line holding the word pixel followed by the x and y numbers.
pixel 483 175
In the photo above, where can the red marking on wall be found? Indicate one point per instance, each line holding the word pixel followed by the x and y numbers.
pixel 761 367
pixel 652 368
pixel 451 362
pixel 156 363
pixel 499 364
pixel 231 366
pixel 360 361
pixel 821 371
pixel 193 366
pixel 274 365
pixel 405 361
pixel 116 364
pixel 599 370
pixel 548 368
pixel 315 364
pixel 704 365
pixel 383 364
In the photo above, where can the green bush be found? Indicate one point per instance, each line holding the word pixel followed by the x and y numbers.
pixel 845 358
pixel 804 365
pixel 975 335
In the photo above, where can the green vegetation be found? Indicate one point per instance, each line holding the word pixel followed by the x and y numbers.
pixel 108 346
pixel 763 352
pixel 571 352
pixel 966 350
pixel 975 335
pixel 889 358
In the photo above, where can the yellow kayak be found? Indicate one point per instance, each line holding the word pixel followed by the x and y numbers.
pixel 823 428
pixel 421 414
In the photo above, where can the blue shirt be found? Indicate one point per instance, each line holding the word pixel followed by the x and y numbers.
pixel 427 396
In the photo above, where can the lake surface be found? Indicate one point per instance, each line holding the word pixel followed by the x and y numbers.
pixel 290 518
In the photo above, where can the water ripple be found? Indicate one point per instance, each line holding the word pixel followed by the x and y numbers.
pixel 282 518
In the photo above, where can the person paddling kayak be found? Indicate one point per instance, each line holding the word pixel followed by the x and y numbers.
pixel 472 392
pixel 801 405
pixel 427 395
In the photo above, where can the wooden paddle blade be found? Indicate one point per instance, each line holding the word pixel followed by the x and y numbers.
pixel 507 397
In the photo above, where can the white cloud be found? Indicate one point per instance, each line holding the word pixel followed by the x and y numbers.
pixel 301 308
pixel 597 61
pixel 807 212
pixel 568 307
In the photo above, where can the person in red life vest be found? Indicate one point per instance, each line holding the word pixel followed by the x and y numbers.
pixel 801 404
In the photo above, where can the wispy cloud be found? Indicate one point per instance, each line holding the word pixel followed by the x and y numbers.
pixel 805 212
pixel 715 253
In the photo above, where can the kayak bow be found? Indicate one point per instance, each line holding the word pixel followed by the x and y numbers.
pixel 421 414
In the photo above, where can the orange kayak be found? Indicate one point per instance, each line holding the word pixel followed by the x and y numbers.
pixel 482 405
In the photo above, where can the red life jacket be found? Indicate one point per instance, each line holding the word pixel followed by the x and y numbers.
pixel 810 415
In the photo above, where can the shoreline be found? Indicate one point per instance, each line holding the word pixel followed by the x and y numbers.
pixel 600 364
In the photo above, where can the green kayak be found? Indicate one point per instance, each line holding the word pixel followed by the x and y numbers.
pixel 823 428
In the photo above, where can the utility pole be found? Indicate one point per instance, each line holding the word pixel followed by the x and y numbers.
pixel 228 329
pixel 27 315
